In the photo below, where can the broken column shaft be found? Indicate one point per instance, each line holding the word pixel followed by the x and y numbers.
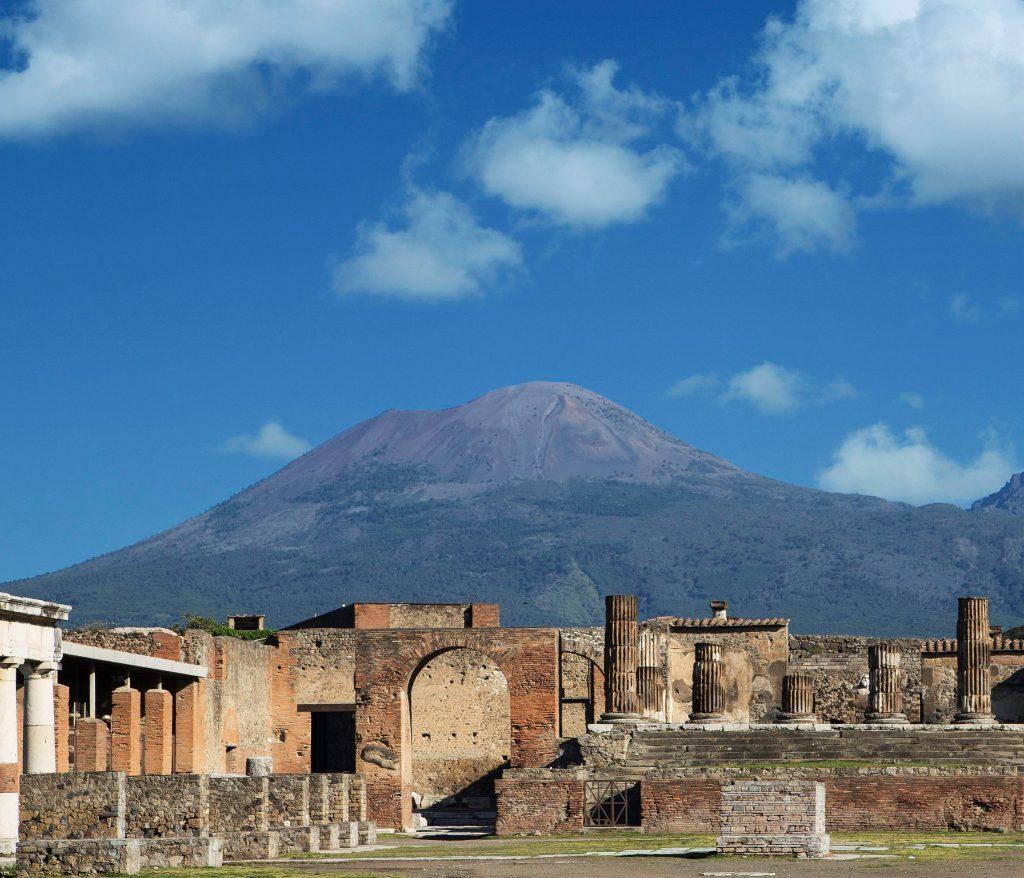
pixel 649 675
pixel 708 684
pixel 885 688
pixel 798 699
pixel 973 657
pixel 620 659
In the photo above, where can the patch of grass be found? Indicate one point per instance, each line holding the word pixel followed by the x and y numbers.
pixel 254 872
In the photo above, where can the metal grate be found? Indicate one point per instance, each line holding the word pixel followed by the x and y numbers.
pixel 611 803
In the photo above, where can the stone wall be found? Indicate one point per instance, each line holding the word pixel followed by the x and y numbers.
pixel 754 658
pixel 839 666
pixel 167 806
pixel 670 805
pixel 323 664
pixel 153 642
pixel 461 728
pixel 288 800
pixel 238 804
pixel 938 684
pixel 116 856
pixel 773 818
pixel 73 805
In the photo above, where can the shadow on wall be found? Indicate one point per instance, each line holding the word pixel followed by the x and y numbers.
pixel 1008 698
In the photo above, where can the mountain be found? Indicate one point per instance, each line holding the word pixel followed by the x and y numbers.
pixel 544 497
pixel 1009 498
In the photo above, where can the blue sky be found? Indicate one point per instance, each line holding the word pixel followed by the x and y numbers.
pixel 789 234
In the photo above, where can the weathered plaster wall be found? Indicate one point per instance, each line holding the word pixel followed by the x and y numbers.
pixel 323 664
pixel 938 685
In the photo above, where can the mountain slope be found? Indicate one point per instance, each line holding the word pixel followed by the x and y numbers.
pixel 1009 498
pixel 544 497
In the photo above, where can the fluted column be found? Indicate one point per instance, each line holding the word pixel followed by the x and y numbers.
pixel 973 657
pixel 708 684
pixel 9 768
pixel 650 679
pixel 620 659
pixel 798 699
pixel 885 688
pixel 40 739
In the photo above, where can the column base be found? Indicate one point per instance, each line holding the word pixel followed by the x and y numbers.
pixel 793 719
pixel 974 719
pixel 887 719
pixel 707 718
pixel 623 719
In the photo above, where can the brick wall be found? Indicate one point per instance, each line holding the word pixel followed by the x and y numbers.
pixel 680 805
pixel 773 818
pixel 548 806
pixel 387 660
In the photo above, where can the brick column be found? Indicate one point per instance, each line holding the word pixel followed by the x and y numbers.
pixel 708 684
pixel 159 731
pixel 61 725
pixel 650 680
pixel 620 659
pixel 91 736
pixel 798 699
pixel 126 730
pixel 190 728
pixel 885 689
pixel 40 745
pixel 973 657
pixel 10 769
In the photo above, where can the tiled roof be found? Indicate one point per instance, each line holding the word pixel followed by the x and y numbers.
pixel 999 644
pixel 720 623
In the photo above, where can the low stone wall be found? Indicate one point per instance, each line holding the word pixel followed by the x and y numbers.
pixel 167 806
pixel 238 804
pixel 673 805
pixel 115 856
pixel 773 818
pixel 73 805
pixel 288 800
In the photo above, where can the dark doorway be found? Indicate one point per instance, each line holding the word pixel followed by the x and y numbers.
pixel 333 741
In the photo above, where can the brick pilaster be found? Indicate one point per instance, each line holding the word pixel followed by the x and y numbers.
pixel 190 728
pixel 91 745
pixel 126 730
pixel 159 731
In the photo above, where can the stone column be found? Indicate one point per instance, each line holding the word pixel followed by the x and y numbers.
pixel 973 657
pixel 126 730
pixel 708 684
pixel 798 699
pixel 40 740
pixel 885 689
pixel 620 659
pixel 159 717
pixel 649 676
pixel 9 767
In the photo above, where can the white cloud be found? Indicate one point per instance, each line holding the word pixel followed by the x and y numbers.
pixel 964 308
pixel 585 163
pixel 912 400
pixel 909 468
pixel 440 253
pixel 769 387
pixel 774 389
pixel 934 88
pixel 692 386
pixel 800 214
pixel 271 440
pixel 93 61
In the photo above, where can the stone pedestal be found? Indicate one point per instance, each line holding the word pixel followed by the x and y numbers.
pixel 10 770
pixel 885 690
pixel 708 684
pixel 40 739
pixel 798 699
pixel 620 659
pixel 773 818
pixel 973 657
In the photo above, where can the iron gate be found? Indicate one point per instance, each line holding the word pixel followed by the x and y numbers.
pixel 611 803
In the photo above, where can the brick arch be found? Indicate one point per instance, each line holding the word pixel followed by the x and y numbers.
pixel 386 663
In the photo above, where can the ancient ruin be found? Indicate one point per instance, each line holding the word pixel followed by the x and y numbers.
pixel 187 746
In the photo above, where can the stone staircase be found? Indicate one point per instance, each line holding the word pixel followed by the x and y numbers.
pixel 681 748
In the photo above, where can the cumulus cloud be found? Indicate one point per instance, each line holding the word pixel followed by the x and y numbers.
pixel 89 61
pixel 271 440
pixel 694 385
pixel 774 389
pixel 440 252
pixel 799 214
pixel 910 469
pixel 584 161
pixel 933 88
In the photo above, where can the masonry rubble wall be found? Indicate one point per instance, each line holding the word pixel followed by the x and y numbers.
pixel 838 665
pixel 73 805
pixel 116 856
pixel 167 806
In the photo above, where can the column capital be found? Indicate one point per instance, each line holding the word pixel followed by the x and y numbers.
pixel 43 669
pixel 8 662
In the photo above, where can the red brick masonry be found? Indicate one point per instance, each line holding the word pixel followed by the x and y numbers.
pixel 864 803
